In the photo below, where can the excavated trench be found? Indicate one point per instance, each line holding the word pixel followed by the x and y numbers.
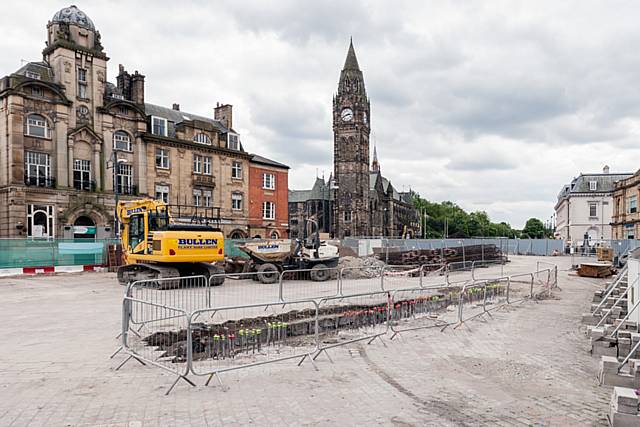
pixel 296 328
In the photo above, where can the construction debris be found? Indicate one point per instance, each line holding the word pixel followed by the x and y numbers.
pixel 595 269
pixel 401 256
pixel 360 268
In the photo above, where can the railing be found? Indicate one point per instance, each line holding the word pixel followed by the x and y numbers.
pixel 131 190
pixel 189 326
pixel 616 302
pixel 621 275
pixel 40 181
pixel 84 185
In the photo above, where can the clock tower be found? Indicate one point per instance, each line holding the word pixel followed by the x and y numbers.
pixel 351 121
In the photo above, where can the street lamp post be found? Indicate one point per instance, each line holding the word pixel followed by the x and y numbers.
pixel 115 162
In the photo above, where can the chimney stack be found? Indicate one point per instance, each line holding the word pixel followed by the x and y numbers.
pixel 176 106
pixel 137 88
pixel 224 114
pixel 605 169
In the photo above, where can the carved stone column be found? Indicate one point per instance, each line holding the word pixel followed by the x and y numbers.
pixel 70 161
pixel 97 166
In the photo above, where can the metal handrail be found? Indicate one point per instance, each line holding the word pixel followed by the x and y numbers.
pixel 615 283
pixel 616 303
pixel 626 359
pixel 615 331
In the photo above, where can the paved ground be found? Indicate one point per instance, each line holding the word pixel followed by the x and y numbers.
pixel 527 366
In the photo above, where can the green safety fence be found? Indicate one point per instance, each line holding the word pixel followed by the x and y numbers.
pixel 231 248
pixel 17 253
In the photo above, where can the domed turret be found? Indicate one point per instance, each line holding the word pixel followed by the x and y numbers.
pixel 73 15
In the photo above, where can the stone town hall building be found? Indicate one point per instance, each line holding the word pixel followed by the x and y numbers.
pixel 358 200
pixel 61 122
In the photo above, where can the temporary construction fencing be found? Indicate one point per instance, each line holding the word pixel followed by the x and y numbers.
pixel 187 326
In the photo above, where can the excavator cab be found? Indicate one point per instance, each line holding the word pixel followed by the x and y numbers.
pixel 135 231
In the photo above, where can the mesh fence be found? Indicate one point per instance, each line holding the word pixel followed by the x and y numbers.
pixel 17 253
pixel 480 249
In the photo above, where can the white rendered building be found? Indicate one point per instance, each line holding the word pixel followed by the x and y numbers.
pixel 585 207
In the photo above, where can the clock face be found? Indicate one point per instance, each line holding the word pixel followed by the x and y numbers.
pixel 346 115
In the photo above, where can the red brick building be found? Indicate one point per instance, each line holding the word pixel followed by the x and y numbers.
pixel 268 198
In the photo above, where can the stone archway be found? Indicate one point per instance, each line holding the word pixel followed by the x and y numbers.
pixel 237 234
pixel 84 228
pixel 85 214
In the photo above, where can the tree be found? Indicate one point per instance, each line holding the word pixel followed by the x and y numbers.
pixel 534 229
pixel 447 217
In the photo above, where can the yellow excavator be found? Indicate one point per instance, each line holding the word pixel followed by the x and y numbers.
pixel 155 246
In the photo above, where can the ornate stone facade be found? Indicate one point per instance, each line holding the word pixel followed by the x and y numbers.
pixel 63 127
pixel 625 222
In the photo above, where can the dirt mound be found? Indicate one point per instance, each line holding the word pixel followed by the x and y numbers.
pixel 359 268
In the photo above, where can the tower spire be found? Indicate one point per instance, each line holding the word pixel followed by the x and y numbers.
pixel 375 166
pixel 351 63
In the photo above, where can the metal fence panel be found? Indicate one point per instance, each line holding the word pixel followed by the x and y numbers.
pixel 161 340
pixel 181 293
pixel 245 288
pixel 352 318
pixel 309 284
pixel 235 337
pixel 359 280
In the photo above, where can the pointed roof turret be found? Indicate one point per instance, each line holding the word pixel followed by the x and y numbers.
pixel 351 63
pixel 375 166
pixel 351 78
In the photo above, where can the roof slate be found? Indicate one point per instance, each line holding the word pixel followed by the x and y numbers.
pixel 177 116
pixel 41 68
pixel 263 160
pixel 605 183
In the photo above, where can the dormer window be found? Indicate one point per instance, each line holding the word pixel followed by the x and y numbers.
pixel 593 185
pixel 202 138
pixel 159 126
pixel 32 75
pixel 36 91
pixel 233 141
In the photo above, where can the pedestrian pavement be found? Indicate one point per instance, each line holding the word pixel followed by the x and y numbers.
pixel 528 365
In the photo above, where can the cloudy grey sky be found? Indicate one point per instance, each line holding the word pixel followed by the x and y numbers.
pixel 491 104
